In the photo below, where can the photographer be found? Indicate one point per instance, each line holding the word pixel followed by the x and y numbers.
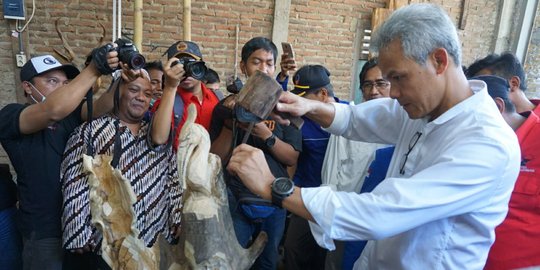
pixel 191 89
pixel 34 136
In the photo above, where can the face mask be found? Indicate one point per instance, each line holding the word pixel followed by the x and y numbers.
pixel 32 97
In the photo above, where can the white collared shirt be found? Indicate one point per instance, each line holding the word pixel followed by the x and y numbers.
pixel 442 212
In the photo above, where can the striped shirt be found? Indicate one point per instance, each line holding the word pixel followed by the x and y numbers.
pixel 153 176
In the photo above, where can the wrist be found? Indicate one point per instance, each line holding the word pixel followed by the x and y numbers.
pixel 281 188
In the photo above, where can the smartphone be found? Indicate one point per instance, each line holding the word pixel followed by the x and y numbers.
pixel 287 48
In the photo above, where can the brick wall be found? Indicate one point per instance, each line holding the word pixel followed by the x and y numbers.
pixel 321 31
pixel 533 58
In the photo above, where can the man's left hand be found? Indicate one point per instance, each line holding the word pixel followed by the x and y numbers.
pixel 288 65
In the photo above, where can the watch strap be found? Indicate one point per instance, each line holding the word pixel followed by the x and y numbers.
pixel 270 141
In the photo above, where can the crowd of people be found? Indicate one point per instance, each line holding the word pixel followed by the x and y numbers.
pixel 434 169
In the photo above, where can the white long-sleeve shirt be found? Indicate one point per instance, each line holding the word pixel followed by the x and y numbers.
pixel 442 212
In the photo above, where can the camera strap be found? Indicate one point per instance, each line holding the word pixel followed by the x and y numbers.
pixel 89 117
pixel 90 151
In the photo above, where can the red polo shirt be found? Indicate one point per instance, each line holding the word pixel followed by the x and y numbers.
pixel 204 109
pixel 517 239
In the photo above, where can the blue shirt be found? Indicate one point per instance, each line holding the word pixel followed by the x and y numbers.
pixel 310 160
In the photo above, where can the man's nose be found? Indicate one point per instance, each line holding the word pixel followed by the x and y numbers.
pixel 394 92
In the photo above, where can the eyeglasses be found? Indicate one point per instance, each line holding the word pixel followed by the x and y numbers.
pixel 380 84
pixel 412 143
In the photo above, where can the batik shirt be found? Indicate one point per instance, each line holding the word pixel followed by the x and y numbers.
pixel 153 175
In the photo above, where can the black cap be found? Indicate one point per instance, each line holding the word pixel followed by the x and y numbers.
pixel 41 64
pixel 184 47
pixel 310 77
pixel 497 86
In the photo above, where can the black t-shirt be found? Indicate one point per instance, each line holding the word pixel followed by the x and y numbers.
pixel 36 158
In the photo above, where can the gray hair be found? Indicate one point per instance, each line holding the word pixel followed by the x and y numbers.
pixel 421 29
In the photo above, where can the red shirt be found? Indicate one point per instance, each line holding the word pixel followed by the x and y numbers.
pixel 517 239
pixel 204 109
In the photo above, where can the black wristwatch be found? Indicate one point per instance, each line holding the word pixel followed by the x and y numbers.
pixel 282 187
pixel 270 141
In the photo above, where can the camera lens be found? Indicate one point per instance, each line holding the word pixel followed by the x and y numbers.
pixel 197 70
pixel 137 61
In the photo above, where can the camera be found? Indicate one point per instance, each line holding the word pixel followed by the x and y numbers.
pixel 127 53
pixel 193 68
pixel 234 85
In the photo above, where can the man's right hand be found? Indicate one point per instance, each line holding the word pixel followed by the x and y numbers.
pixel 174 74
pixel 293 105
pixel 288 65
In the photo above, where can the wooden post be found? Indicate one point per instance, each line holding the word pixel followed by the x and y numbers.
pixel 187 20
pixel 138 23
pixel 280 27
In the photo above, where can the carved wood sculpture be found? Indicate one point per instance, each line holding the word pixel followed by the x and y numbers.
pixel 207 239
pixel 111 200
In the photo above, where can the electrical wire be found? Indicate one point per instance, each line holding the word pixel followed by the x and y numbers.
pixel 29 20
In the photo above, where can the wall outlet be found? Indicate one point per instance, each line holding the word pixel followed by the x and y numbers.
pixel 21 59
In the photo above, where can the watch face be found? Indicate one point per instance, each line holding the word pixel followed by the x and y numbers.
pixel 283 185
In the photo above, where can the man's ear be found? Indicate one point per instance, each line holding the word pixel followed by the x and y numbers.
pixel 500 104
pixel 243 68
pixel 514 82
pixel 323 94
pixel 26 87
pixel 440 58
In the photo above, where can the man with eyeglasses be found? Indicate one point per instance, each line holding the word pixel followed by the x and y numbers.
pixel 372 83
pixel 440 208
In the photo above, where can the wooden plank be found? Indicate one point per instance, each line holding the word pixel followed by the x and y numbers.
pixel 378 16
pixel 395 4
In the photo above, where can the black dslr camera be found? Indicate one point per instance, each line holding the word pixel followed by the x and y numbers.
pixel 128 53
pixel 194 68
pixel 234 85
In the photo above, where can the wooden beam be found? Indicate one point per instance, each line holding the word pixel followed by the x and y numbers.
pixel 280 28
